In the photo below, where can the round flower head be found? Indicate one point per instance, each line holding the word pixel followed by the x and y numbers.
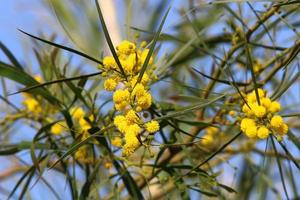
pixel 121 95
pixel 259 111
pixel 276 121
pixel 126 47
pixel 57 129
pixel 117 142
pixel 152 126
pixel 109 62
pixel 251 131
pixel 263 132
pixel 282 130
pixel 131 116
pixel 121 123
pixel 274 107
pixel 77 112
pixel 246 123
pixel 266 102
pixel 207 140
pixel 110 84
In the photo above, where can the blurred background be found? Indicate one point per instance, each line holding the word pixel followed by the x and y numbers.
pixel 75 23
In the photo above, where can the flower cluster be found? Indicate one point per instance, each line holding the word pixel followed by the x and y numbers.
pixel 260 118
pixel 208 140
pixel 130 95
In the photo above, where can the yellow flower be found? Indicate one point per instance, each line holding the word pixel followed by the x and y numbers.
pixel 143 44
pixel 117 142
pixel 263 132
pixel 144 55
pixel 129 63
pixel 231 113
pixel 266 102
pixel 274 107
pixel 126 47
pixel 246 122
pixel 247 110
pixel 152 126
pixel 144 81
pixel 121 123
pixel 57 128
pixel 121 95
pixel 139 90
pixel 131 116
pixel 259 111
pixel 110 84
pixel 77 112
pixel 211 130
pixel 121 106
pixel 81 154
pixel 109 62
pixel 145 101
pixel 276 121
pixel 283 129
pixel 84 125
pixel 131 143
pixel 32 105
pixel 207 140
pixel 133 129
pixel 251 131
pixel 38 78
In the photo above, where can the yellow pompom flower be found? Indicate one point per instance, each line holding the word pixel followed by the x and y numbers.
pixel 259 111
pixel 144 55
pixel 133 129
pixel 131 144
pixel 84 125
pixel 143 44
pixel 121 95
pixel 211 130
pixel 129 63
pixel 251 131
pixel 276 121
pixel 231 113
pixel 145 101
pixel 139 90
pixel 32 105
pixel 117 142
pixel 247 122
pixel 275 107
pixel 77 112
pixel 266 102
pixel 263 132
pixel 152 126
pixel 57 128
pixel 131 116
pixel 126 47
pixel 248 111
pixel 207 140
pixel 121 123
pixel 109 62
pixel 110 84
pixel 283 129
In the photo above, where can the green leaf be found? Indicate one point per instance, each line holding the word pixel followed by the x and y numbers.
pixel 10 56
pixel 38 85
pixel 23 78
pixel 87 185
pixel 108 39
pixel 156 36
pixel 280 168
pixel 64 47
pixel 190 108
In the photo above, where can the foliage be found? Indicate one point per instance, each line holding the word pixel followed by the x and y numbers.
pixel 203 107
